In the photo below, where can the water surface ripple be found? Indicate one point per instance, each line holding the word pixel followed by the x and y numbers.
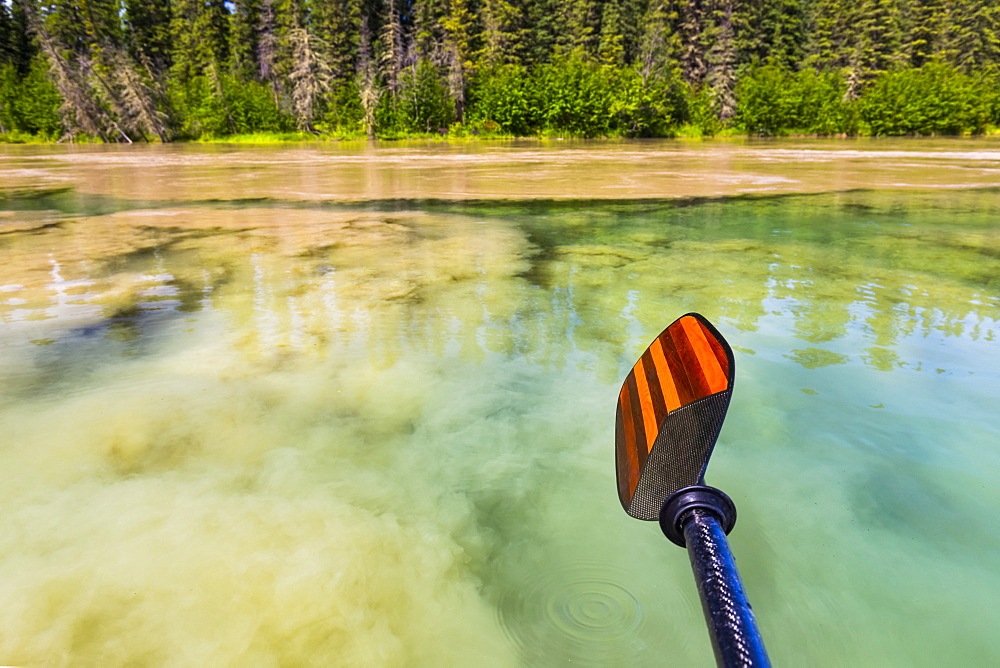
pixel 337 405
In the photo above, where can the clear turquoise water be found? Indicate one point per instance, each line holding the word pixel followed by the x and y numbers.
pixel 382 434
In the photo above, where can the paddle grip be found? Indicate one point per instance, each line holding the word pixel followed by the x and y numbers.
pixel 731 622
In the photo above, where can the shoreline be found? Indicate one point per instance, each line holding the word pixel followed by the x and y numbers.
pixel 266 138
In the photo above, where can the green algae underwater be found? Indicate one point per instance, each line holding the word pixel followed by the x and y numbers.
pixel 282 432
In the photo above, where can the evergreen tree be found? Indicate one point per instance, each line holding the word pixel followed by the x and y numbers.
pixel 971 39
pixel 538 33
pixel 79 110
pixel 395 43
pixel 23 49
pixel 927 22
pixel 721 58
pixel 830 26
pixel 688 19
pixel 500 20
pixel 769 30
pixel 611 45
pixel 579 26
pixel 368 84
pixel 338 24
pixel 147 27
pixel 199 35
pixel 6 36
pixel 245 36
pixel 878 35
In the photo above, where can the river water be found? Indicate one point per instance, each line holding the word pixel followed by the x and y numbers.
pixel 353 405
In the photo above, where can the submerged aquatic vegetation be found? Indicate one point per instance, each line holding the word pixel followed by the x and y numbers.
pixel 276 431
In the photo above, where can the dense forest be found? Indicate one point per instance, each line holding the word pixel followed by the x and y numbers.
pixel 158 70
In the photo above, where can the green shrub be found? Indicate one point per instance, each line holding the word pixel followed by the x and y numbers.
pixel 575 96
pixel 423 103
pixel 651 106
pixel 702 115
pixel 505 96
pixel 772 100
pixel 253 108
pixel 934 99
pixel 29 105
pixel 243 107
pixel 344 114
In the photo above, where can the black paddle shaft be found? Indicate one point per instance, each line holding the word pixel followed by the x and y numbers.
pixel 731 622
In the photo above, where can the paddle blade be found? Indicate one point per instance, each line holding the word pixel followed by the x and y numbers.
pixel 670 410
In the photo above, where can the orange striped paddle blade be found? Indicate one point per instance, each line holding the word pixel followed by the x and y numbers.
pixel 670 410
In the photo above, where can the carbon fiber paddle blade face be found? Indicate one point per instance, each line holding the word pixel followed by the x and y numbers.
pixel 670 410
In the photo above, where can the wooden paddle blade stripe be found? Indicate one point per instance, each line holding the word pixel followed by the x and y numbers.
pixel 686 362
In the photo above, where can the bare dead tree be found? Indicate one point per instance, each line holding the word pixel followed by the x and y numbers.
pixel 653 44
pixel 310 77
pixel 79 111
pixel 855 79
pixel 456 82
pixel 138 99
pixel 267 46
pixel 395 49
pixel 721 75
pixel 368 88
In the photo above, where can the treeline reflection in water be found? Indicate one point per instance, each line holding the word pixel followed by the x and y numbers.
pixel 847 276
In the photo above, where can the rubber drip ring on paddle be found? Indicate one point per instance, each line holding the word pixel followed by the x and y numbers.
pixel 678 505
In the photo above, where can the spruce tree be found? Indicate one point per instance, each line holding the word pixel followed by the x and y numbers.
pixel 878 35
pixel 199 37
pixel 338 24
pixel 245 34
pixel 499 21
pixel 579 26
pixel 310 76
pixel 972 37
pixel 830 29
pixel 539 32
pixel 689 23
pixel 8 52
pixel 147 33
pixel 23 49
pixel 395 43
pixel 611 48
pixel 458 27
pixel 927 20
pixel 771 30
pixel 720 57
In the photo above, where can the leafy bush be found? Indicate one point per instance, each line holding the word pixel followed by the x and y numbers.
pixel 773 99
pixel 345 114
pixel 702 113
pixel 580 97
pixel 205 108
pixel 253 108
pixel 934 99
pixel 505 95
pixel 29 105
pixel 423 103
pixel 648 106
pixel 575 96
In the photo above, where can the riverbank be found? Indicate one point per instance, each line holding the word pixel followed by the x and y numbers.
pixel 465 136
